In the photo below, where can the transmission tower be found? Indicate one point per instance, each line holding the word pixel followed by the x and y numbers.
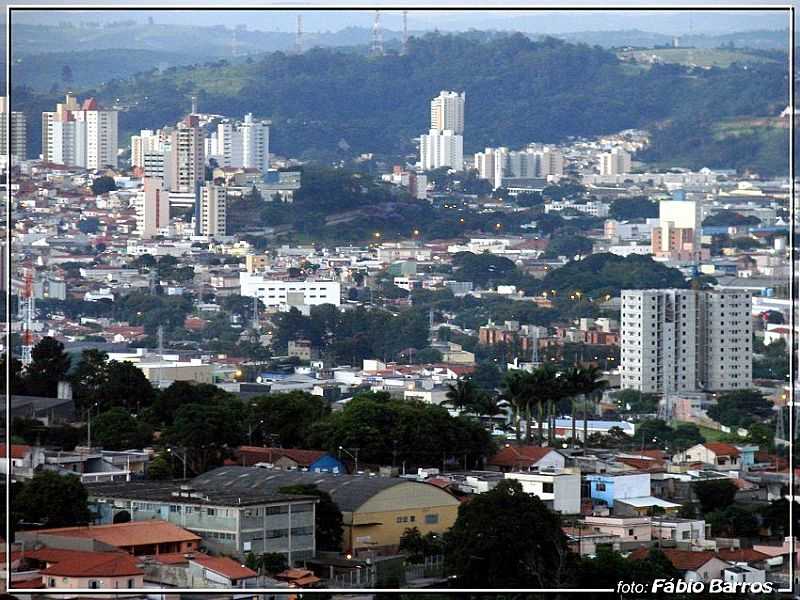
pixel 28 308
pixel 298 38
pixel 194 105
pixel 376 49
pixel 405 33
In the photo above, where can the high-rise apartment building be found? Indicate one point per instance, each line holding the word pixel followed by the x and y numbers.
pixel 213 211
pixel 677 235
pixel 147 142
pixel 685 340
pixel 443 145
pixel 441 149
pixel 185 164
pixel 616 162
pixel 152 208
pixel 447 112
pixel 241 144
pixel 16 124
pixel 82 135
pixel 494 164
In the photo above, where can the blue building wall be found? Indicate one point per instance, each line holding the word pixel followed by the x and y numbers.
pixel 327 464
pixel 606 495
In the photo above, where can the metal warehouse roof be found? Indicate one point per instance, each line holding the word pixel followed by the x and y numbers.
pixel 348 491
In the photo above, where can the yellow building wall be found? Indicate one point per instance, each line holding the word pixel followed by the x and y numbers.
pixel 380 522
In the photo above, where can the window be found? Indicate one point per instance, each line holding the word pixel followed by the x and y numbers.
pixel 94 584
pixel 211 512
pixel 547 487
pixel 630 531
pixel 600 487
pixel 130 583
pixel 431 519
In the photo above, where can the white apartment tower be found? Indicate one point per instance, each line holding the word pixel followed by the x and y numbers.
pixel 443 145
pixel 685 341
pixel 213 211
pixel 447 112
pixel 616 162
pixel 494 164
pixel 152 208
pixel 16 124
pixel 147 142
pixel 441 149
pixel 241 144
pixel 80 135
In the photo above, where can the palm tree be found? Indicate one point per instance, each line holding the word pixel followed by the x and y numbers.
pixel 514 391
pixel 590 386
pixel 572 380
pixel 541 388
pixel 462 395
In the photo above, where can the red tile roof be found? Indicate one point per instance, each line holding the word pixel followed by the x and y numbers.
pixel 134 533
pixel 17 450
pixel 225 566
pixel 682 560
pixel 519 456
pixel 722 449
pixel 304 458
pixel 747 555
pixel 78 563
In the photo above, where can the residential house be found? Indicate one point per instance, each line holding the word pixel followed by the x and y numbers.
pixel 525 458
pixel 693 566
pixel 559 490
pixel 718 454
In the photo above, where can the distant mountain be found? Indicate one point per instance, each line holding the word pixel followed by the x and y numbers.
pixel 756 40
pixel 518 91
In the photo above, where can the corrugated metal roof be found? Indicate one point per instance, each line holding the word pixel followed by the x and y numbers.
pixel 348 491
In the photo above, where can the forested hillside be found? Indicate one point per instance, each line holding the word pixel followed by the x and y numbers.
pixel 518 91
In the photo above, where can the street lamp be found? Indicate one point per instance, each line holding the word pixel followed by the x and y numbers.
pixel 173 452
pixel 353 456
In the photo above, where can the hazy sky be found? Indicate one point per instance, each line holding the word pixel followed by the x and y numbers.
pixel 671 22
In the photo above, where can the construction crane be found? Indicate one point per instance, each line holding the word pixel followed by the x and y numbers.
pixel 376 49
pixel 27 309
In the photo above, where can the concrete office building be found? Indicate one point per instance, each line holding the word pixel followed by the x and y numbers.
pixel 685 341
pixel 497 164
pixel 616 162
pixel 276 293
pixel 152 208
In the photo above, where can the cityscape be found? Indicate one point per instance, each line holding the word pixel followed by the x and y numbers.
pixel 396 307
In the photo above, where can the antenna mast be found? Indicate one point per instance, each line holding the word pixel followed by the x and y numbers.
pixel 404 50
pixel 298 38
pixel 28 315
pixel 377 36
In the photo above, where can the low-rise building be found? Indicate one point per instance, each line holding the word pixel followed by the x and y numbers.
pixel 559 490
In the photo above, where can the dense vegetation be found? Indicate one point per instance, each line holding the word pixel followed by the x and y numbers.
pixel 331 103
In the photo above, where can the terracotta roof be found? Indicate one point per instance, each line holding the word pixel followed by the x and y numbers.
pixel 227 567
pixel 741 555
pixel 722 449
pixel 172 558
pixel 682 560
pixel 34 584
pixel 643 464
pixel 304 458
pixel 519 456
pixel 134 533
pixel 17 450
pixel 78 563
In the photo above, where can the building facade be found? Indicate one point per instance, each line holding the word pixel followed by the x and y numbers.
pixel 213 211
pixel 152 208
pixel 81 135
pixel 276 293
pixel 685 341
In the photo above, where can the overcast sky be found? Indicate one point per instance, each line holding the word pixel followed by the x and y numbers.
pixel 671 22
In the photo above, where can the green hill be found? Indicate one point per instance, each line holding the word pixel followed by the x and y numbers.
pixel 518 91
